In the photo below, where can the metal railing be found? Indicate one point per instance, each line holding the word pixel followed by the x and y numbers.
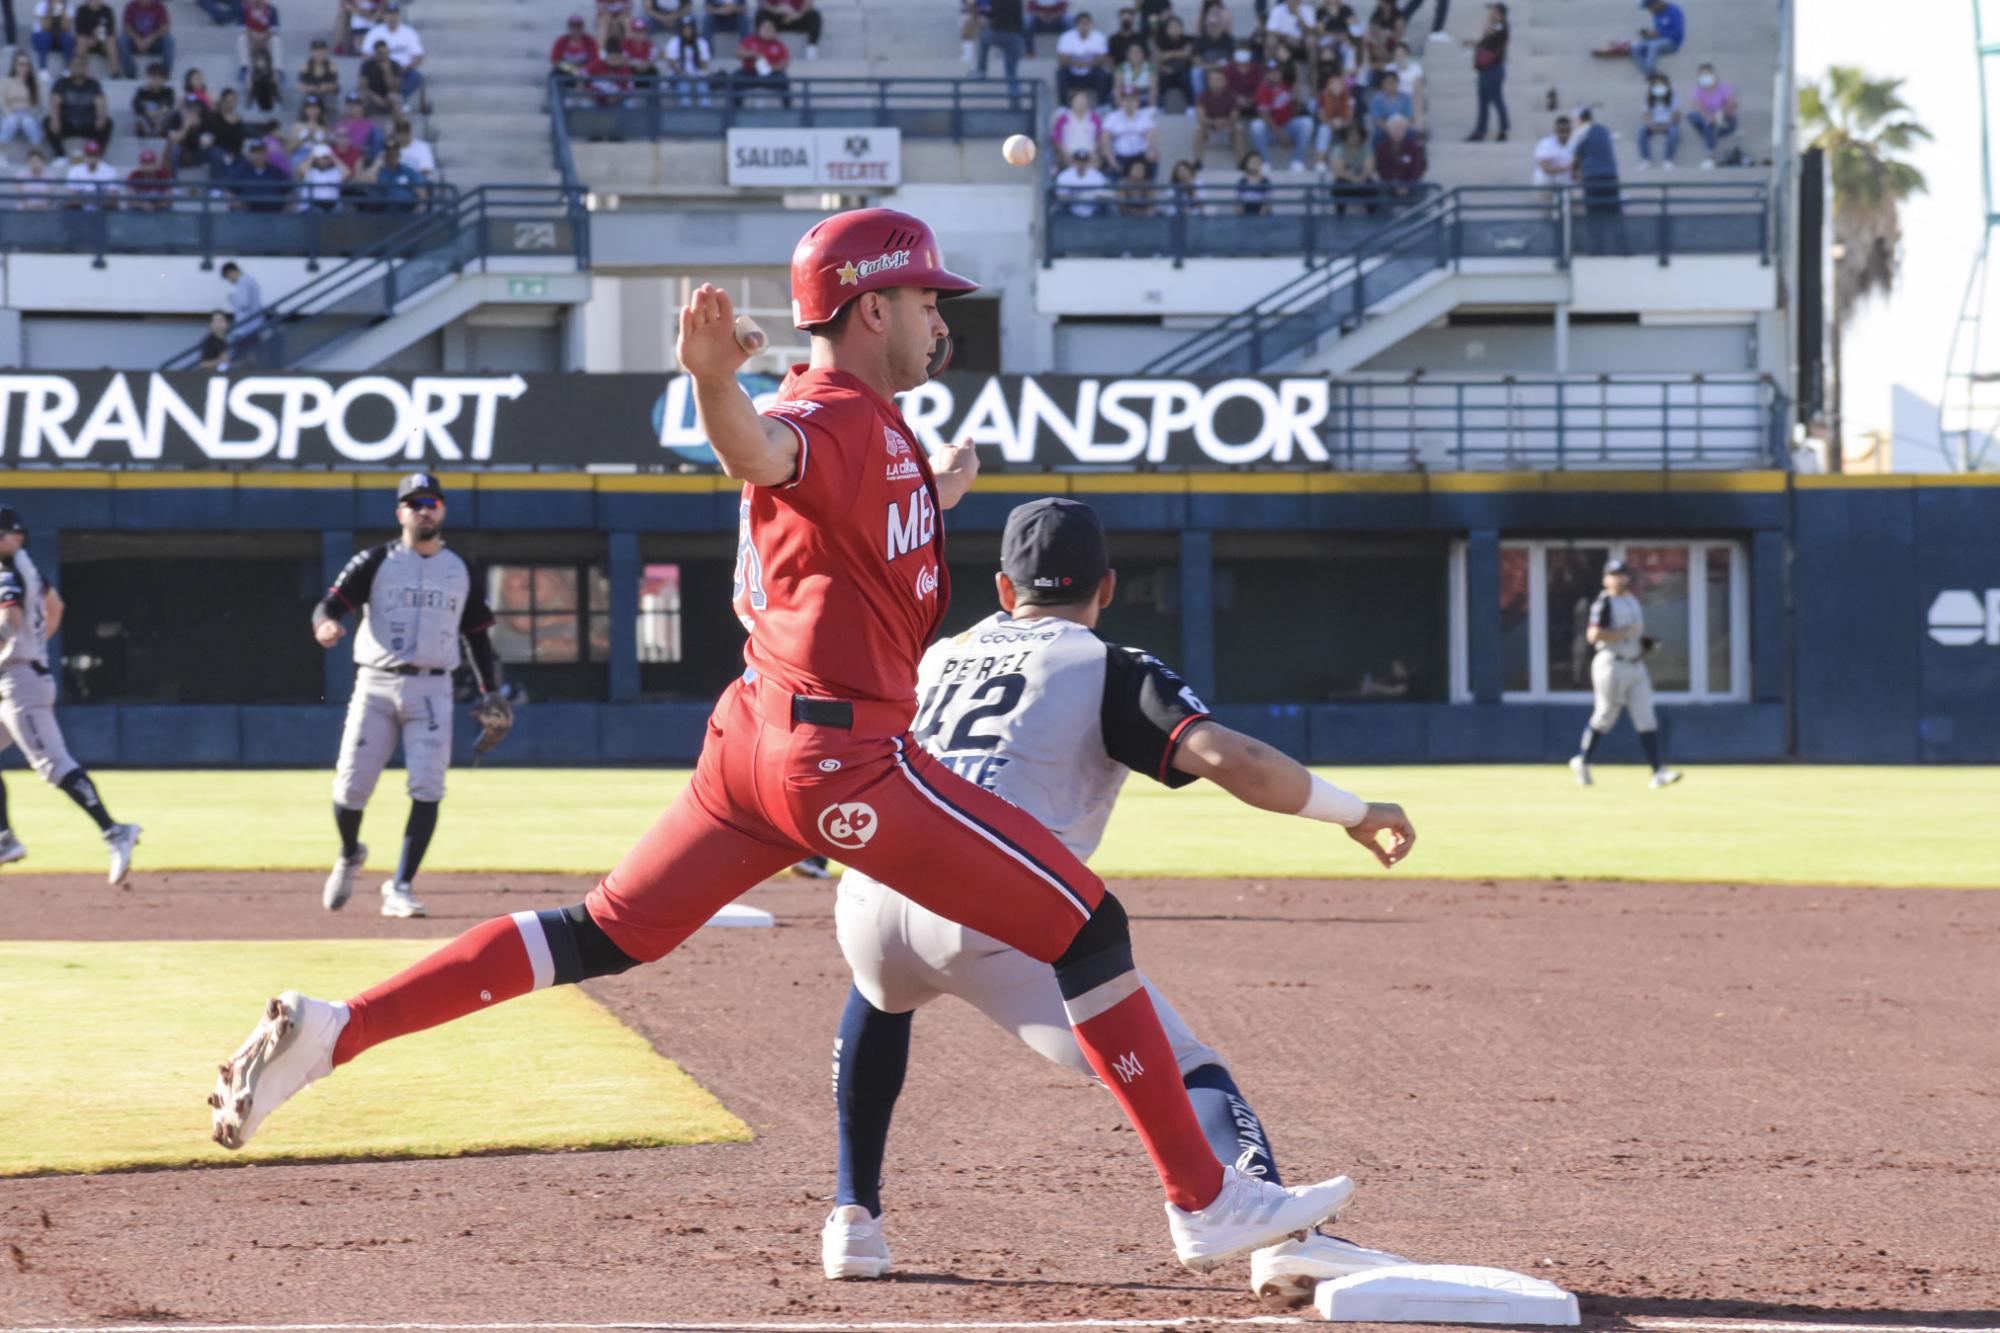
pixel 1476 223
pixel 492 221
pixel 705 107
pixel 1162 220
pixel 1600 422
pixel 187 218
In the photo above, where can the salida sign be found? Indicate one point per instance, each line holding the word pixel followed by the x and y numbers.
pixel 783 157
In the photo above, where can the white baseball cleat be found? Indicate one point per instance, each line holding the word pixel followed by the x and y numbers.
pixel 291 1046
pixel 396 900
pixel 1666 777
pixel 1249 1214
pixel 121 839
pixel 1581 767
pixel 1290 1271
pixel 11 848
pixel 851 1244
pixel 340 880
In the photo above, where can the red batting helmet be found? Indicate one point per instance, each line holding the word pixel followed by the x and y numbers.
pixel 866 250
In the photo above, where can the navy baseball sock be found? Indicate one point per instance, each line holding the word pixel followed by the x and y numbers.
pixel 4 824
pixel 869 1057
pixel 417 832
pixel 1591 736
pixel 79 788
pixel 349 824
pixel 1233 1129
pixel 1650 741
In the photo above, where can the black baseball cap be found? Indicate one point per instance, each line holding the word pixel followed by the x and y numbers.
pixel 419 483
pixel 10 520
pixel 1615 567
pixel 1054 550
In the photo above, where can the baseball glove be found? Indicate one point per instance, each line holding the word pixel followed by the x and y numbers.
pixel 495 717
pixel 1647 643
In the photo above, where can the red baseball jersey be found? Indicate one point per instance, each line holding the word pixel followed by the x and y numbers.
pixel 840 573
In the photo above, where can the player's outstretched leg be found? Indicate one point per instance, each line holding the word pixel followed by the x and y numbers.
pixel 11 849
pixel 870 1055
pixel 353 855
pixel 119 838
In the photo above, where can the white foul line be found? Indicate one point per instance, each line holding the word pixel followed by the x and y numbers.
pixel 1858 1323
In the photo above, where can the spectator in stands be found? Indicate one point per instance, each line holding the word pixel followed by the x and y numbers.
pixel 320 177
pixel 95 24
pixel 1131 137
pixel 35 186
pixel 93 182
pixel 1120 38
pixel 1597 166
pixel 1333 112
pixel 417 154
pixel 1489 64
pixel 52 31
pixel 1555 157
pixel 215 343
pixel 153 104
pixel 1713 115
pixel 639 51
pixel 1292 26
pixel 1388 101
pixel 1047 16
pixel 1662 38
pixel 1135 192
pixel 150 188
pixel 689 63
pixel 1083 58
pixel 1080 186
pixel 263 89
pixel 226 124
pixel 1244 77
pixel 1187 195
pixel 1410 78
pixel 1253 187
pixel 356 130
pixel 261 32
pixel 21 103
pixel 1214 44
pixel 764 57
pixel 382 83
pixel 1003 27
pixel 246 302
pixel 1279 116
pixel 321 77
pixel 1353 166
pixel 610 77
pixel 148 37
pixel 1135 75
pixel 721 16
pixel 1662 117
pixel 1077 128
pixel 310 130
pixel 664 16
pixel 1438 34
pixel 793 16
pixel 610 13
pixel 1399 159
pixel 77 109
pixel 355 19
pixel 257 184
pixel 1173 64
pixel 575 50
pixel 195 84
pixel 1216 113
pixel 188 141
pixel 405 48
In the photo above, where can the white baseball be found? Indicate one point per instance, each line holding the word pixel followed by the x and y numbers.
pixel 1018 150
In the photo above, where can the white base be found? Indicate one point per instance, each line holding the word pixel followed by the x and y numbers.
pixel 1444 1294
pixel 742 914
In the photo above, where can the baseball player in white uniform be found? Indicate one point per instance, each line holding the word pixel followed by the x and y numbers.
pixel 30 613
pixel 1618 676
pixel 1033 706
pixel 417 604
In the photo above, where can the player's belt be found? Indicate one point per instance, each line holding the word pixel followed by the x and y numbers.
pixel 823 712
pixel 411 670
pixel 867 719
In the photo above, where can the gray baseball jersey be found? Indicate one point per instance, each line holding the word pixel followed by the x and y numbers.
pixel 1620 612
pixel 1049 716
pixel 21 585
pixel 27 686
pixel 413 607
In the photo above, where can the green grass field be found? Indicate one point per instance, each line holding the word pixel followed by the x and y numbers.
pixel 110 1049
pixel 1791 824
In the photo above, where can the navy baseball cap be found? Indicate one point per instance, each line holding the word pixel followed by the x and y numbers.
pixel 419 483
pixel 1054 550
pixel 10 519
pixel 1615 567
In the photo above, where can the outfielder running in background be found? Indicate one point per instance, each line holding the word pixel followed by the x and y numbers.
pixel 1619 680
pixel 1031 705
pixel 842 581
pixel 417 604
pixel 30 614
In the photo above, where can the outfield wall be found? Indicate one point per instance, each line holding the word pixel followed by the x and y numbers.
pixel 1275 591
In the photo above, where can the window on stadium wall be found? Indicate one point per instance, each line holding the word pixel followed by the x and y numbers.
pixel 1695 595
pixel 551 609
pixel 1316 618
pixel 1144 613
pixel 690 643
pixel 194 618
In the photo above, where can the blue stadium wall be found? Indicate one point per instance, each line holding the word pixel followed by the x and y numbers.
pixel 1843 572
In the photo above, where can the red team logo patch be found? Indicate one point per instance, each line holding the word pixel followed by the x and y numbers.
pixel 848 825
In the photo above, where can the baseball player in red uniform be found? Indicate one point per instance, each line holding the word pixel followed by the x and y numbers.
pixel 841 581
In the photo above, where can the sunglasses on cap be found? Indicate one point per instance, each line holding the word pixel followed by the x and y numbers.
pixel 424 502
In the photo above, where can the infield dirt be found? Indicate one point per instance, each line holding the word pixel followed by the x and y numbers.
pixel 1673 1100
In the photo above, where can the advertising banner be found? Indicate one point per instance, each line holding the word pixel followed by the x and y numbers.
pixel 824 159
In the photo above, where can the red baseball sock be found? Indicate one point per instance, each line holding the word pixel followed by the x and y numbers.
pixel 1130 1052
pixel 482 967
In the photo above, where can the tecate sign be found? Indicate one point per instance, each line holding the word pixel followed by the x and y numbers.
pixel 831 158
pixel 1960 618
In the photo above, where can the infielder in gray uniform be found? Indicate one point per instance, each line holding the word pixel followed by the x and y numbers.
pixel 417 604
pixel 30 613
pixel 1618 676
pixel 1033 706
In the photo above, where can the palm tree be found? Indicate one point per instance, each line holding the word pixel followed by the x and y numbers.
pixel 1862 124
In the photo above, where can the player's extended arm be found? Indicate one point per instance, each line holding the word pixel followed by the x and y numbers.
pixel 751 447
pixel 1256 774
pixel 327 617
pixel 956 467
pixel 52 612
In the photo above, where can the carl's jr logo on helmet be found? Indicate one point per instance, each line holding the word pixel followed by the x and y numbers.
pixel 852 273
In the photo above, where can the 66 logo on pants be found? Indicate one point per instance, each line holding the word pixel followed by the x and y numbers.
pixel 850 824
